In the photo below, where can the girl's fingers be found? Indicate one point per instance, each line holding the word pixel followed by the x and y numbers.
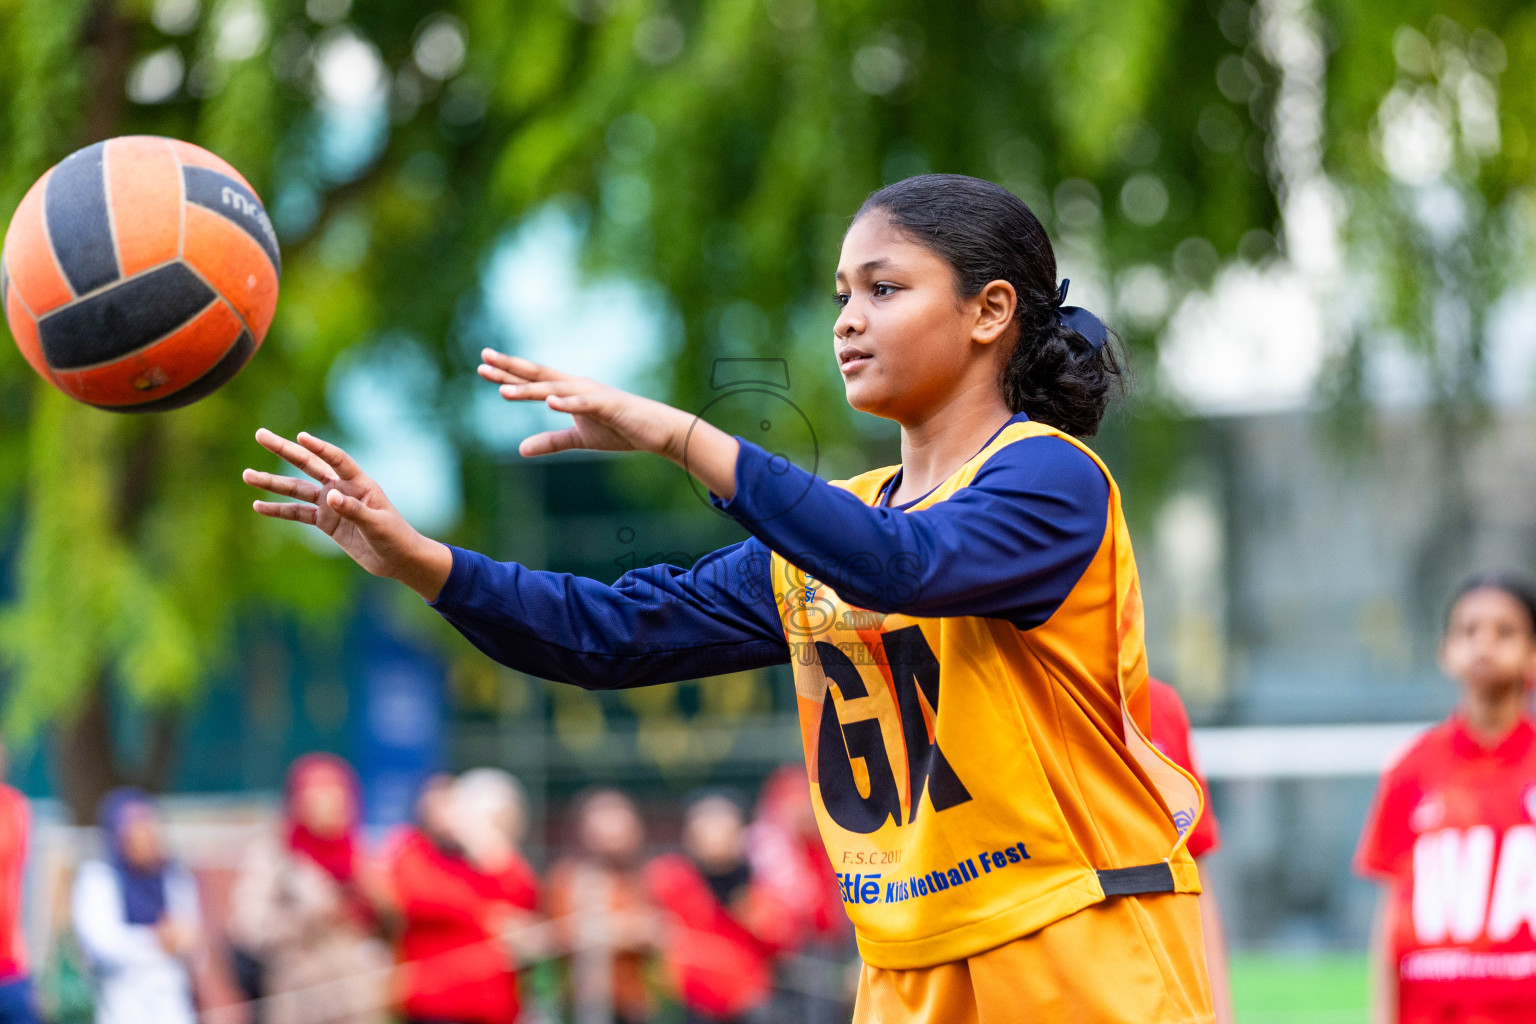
pixel 285 485
pixel 541 390
pixel 290 510
pixel 498 376
pixel 525 368
pixel 296 455
pixel 550 442
pixel 574 404
pixel 334 457
pixel 349 508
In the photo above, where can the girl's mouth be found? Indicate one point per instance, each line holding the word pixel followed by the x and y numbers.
pixel 850 359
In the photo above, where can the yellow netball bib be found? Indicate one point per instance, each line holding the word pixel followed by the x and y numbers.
pixel 973 781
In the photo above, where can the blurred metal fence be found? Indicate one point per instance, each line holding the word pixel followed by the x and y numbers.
pixel 210 836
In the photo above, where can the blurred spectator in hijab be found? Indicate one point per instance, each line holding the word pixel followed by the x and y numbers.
pixel 601 911
pixel 462 890
pixel 17 1004
pixel 136 918
pixel 723 928
pixel 790 861
pixel 306 907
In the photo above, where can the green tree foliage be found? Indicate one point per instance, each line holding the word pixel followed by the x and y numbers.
pixel 716 149
pixel 1430 127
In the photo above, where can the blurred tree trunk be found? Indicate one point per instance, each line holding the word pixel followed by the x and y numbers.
pixel 89 762
pixel 86 755
pixel 109 37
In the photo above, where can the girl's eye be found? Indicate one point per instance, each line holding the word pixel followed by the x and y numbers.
pixel 883 289
pixel 841 298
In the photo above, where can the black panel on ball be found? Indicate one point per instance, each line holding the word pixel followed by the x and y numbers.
pixel 233 201
pixel 220 374
pixel 123 319
pixel 78 223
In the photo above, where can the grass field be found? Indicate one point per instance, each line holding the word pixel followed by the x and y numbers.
pixel 1295 989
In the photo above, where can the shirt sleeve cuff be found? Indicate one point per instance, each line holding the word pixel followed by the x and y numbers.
pixel 766 485
pixel 451 597
pixel 729 505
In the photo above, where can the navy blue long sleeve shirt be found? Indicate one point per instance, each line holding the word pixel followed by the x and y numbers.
pixel 1011 546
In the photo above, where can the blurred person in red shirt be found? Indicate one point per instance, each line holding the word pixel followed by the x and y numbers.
pixel 17 1003
pixel 1452 834
pixel 460 886
pixel 1170 734
pixel 597 894
pixel 490 818
pixel 489 815
pixel 723 929
pixel 790 861
pixel 307 908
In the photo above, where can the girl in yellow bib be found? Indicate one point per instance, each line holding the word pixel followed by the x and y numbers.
pixel 965 629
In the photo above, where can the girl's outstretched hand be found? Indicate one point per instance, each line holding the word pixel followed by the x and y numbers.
pixel 605 418
pixel 347 506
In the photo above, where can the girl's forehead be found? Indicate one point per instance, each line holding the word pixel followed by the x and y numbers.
pixel 874 243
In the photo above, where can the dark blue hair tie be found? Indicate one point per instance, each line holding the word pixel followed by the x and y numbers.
pixel 1080 320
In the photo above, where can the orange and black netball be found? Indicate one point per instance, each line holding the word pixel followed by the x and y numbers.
pixel 139 274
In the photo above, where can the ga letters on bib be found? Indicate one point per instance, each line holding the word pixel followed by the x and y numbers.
pixel 970 776
pixel 1453 834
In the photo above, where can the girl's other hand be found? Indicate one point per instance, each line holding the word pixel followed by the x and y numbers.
pixel 605 418
pixel 346 505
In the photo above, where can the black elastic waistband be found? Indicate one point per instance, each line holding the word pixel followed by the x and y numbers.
pixel 1142 878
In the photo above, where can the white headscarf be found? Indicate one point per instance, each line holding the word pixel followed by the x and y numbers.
pixel 489 808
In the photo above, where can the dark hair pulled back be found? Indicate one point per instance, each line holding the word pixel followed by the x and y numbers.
pixel 1507 583
pixel 986 233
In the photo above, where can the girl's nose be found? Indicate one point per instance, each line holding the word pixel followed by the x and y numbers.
pixel 849 323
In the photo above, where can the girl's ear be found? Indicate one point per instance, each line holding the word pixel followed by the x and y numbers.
pixel 995 305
